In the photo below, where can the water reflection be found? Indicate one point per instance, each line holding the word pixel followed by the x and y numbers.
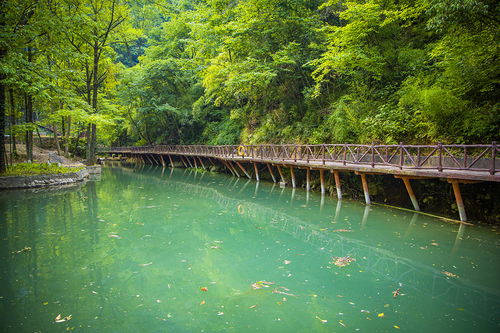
pixel 141 243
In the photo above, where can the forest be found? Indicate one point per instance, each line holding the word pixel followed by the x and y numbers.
pixel 144 72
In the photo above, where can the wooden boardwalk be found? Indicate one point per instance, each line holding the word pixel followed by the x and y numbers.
pixel 455 163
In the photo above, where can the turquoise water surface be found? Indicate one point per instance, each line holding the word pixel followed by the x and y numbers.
pixel 152 250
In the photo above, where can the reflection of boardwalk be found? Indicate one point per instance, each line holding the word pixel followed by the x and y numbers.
pixel 388 265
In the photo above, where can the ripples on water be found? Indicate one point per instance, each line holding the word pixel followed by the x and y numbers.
pixel 146 250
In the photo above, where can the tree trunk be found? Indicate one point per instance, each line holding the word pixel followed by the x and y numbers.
pixel 56 139
pixel 13 122
pixel 29 118
pixel 3 162
pixel 91 159
pixel 68 137
pixel 28 115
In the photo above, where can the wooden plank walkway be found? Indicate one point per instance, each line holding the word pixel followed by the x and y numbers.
pixel 465 162
pixel 455 163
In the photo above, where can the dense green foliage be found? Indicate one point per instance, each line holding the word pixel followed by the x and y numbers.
pixel 253 71
pixel 31 169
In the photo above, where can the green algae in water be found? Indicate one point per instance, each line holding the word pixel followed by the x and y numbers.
pixel 146 250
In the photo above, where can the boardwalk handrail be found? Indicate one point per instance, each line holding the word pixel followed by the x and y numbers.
pixel 440 157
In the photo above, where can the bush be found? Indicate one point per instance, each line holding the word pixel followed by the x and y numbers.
pixel 30 169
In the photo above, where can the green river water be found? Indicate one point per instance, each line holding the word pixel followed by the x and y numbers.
pixel 146 250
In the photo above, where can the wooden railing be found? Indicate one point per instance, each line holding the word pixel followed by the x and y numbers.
pixel 479 157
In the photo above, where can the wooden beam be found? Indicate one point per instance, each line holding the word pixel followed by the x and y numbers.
pixel 322 179
pixel 336 175
pixel 271 172
pixel 189 162
pixel 256 169
pixel 365 188
pixel 201 162
pixel 171 162
pixel 234 169
pixel 162 162
pixel 292 175
pixel 195 163
pixel 308 179
pixel 228 167
pixel 183 162
pixel 409 189
pixel 281 174
pixel 458 198
pixel 243 169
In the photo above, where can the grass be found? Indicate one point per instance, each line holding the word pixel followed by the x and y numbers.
pixel 31 169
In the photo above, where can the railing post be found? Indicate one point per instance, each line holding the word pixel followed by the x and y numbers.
pixel 295 155
pixel 493 157
pixel 345 154
pixel 401 158
pixel 323 147
pixel 440 157
pixel 373 156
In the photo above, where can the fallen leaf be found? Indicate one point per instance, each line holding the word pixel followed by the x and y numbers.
pixel 381 315
pixel 58 317
pixel 202 302
pixel 396 326
pixel 324 321
pixel 449 274
pixel 220 313
pixel 204 289
pixel 253 306
pixel 45 303
pixel 144 265
pixel 287 262
pixel 386 305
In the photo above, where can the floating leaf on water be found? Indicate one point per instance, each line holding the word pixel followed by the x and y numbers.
pixel 114 236
pixel 204 289
pixel 324 321
pixel 202 302
pixel 58 317
pixel 261 284
pixel 45 303
pixel 144 265
pixel 342 230
pixel 287 262
pixel 24 249
pixel 449 274
pixel 381 315
pixel 396 326
pixel 460 309
pixel 220 313
pixel 342 261
pixel 341 322
pixel 253 306
pixel 435 244
pixel 396 293
pixel 386 305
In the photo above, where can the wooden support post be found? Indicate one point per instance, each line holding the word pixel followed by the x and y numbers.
pixel 336 175
pixel 243 169
pixel 171 162
pixel 162 162
pixel 256 169
pixel 281 174
pixel 227 166
pixel 183 162
pixel 271 172
pixel 308 179
pixel 189 162
pixel 194 161
pixel 458 198
pixel 409 189
pixel 234 169
pixel 322 179
pixel 201 162
pixel 292 175
pixel 365 188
